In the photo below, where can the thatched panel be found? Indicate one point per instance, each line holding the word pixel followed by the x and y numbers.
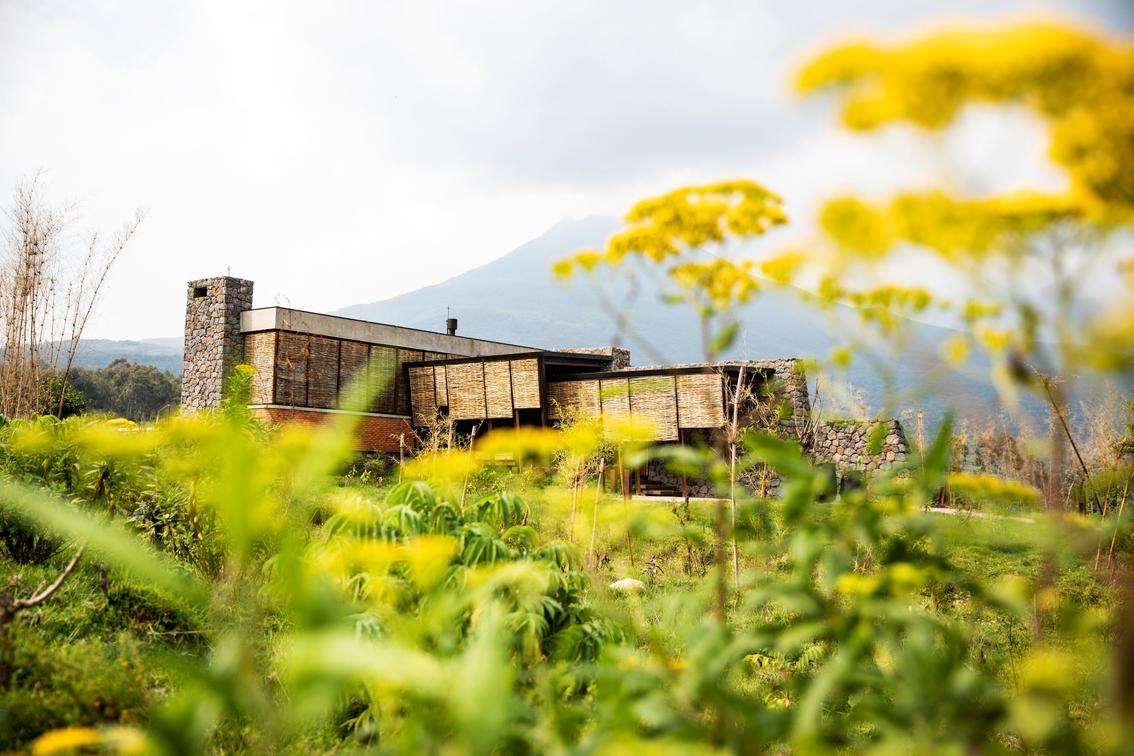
pixel 382 381
pixel 525 384
pixel 466 391
pixel 323 373
pixel 615 397
pixel 292 352
pixel 700 402
pixel 402 390
pixel 260 353
pixel 653 400
pixel 353 360
pixel 422 399
pixel 440 386
pixel 574 399
pixel 498 388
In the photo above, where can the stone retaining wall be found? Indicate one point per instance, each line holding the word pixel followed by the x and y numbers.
pixel 846 444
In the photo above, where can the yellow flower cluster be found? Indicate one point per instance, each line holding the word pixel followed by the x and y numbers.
pixel 720 282
pixel 955 229
pixel 1081 83
pixel 682 228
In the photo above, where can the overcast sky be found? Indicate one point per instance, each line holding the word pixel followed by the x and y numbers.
pixel 343 152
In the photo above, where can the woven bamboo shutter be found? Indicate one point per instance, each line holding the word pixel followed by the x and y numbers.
pixel 323 372
pixel 403 394
pixel 466 391
pixel 291 369
pixel 699 401
pixel 615 396
pixel 260 353
pixel 574 398
pixel 440 386
pixel 561 399
pixel 653 402
pixel 353 360
pixel 422 399
pixel 525 384
pixel 498 388
pixel 381 383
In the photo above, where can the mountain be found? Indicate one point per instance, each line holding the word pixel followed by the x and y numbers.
pixel 516 299
pixel 163 353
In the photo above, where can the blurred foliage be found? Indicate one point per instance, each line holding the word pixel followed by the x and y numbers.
pixel 256 591
pixel 1079 82
pixel 678 230
pixel 404 621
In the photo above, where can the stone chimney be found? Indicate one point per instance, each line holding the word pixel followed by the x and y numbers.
pixel 213 343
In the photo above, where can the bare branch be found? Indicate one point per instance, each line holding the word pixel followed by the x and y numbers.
pixel 45 593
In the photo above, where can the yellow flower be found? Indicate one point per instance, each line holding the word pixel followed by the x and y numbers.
pixel 65 739
pixel 956 349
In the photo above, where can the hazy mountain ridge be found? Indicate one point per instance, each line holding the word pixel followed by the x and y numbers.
pixel 515 298
pixel 162 353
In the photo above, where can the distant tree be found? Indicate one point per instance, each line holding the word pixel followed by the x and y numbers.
pixel 58 398
pixel 136 392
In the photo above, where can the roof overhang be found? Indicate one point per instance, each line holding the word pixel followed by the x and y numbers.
pixel 350 329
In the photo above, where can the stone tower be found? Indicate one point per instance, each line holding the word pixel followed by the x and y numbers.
pixel 213 343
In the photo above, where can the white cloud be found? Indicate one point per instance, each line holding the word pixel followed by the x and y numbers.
pixel 338 153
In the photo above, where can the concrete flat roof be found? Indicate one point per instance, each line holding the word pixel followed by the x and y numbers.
pixel 351 329
pixel 568 358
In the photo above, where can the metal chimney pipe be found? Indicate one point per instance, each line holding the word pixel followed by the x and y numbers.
pixel 451 326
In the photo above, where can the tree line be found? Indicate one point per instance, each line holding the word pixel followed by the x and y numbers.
pixel 136 392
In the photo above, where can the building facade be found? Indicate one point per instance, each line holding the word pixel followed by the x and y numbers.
pixel 399 380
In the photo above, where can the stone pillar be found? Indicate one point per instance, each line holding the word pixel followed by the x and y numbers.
pixel 213 343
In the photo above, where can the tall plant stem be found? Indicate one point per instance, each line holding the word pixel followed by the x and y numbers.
pixel 594 518
pixel 1105 512
pixel 719 559
pixel 734 437
pixel 1114 535
pixel 1055 405
pixel 574 502
pixel 465 480
pixel 732 524
pixel 623 477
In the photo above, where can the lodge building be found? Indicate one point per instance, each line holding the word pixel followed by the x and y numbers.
pixel 306 362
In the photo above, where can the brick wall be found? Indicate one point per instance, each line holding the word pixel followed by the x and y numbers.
pixel 374 433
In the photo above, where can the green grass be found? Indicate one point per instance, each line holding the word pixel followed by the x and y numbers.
pixel 103 651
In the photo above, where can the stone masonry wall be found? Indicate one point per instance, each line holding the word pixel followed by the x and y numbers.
pixel 213 343
pixel 619 357
pixel 790 384
pixel 790 410
pixel 846 444
pixel 843 443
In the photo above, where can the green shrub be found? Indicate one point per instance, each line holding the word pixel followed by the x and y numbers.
pixel 22 541
pixel 82 682
pixel 60 399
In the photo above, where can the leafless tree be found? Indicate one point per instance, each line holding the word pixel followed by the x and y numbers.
pixel 48 290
